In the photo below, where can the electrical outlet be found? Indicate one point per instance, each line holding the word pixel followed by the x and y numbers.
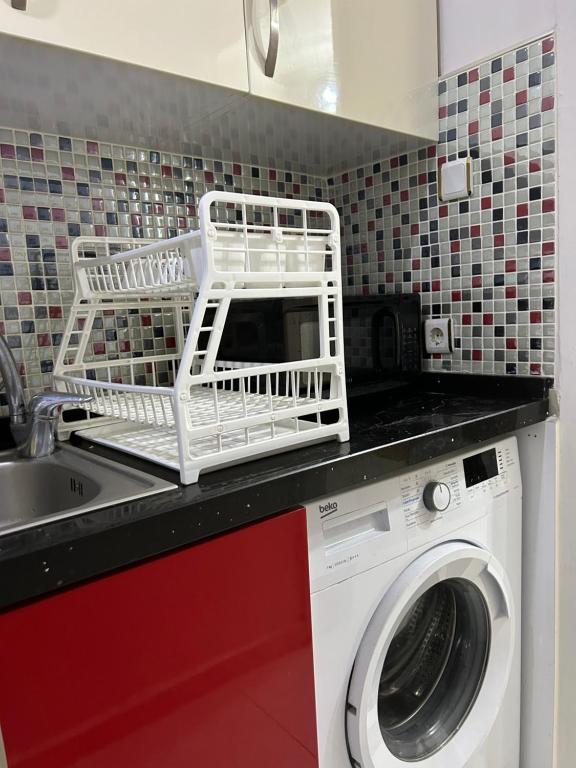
pixel 438 336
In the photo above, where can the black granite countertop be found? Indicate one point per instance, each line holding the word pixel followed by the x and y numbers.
pixel 389 432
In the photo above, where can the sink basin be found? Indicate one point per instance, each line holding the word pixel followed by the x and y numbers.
pixel 67 483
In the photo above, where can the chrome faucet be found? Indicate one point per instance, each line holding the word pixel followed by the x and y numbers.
pixel 33 426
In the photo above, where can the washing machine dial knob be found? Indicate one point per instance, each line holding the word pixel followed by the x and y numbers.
pixel 437 497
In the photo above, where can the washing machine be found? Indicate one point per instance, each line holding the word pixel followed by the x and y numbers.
pixel 415 594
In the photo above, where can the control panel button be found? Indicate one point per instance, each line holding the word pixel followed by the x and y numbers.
pixel 437 497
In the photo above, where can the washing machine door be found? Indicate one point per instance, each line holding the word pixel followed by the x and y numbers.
pixel 434 663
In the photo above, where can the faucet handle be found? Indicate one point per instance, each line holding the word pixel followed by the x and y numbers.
pixel 48 405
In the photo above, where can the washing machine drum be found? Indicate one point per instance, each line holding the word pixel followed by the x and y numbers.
pixel 434 663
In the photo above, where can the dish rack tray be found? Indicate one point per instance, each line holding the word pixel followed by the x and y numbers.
pixel 146 323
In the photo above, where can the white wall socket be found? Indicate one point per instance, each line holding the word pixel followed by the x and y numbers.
pixel 438 335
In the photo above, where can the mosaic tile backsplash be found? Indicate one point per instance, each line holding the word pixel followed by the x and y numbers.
pixel 55 188
pixel 487 261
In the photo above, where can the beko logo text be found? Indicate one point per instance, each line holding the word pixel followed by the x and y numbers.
pixel 328 508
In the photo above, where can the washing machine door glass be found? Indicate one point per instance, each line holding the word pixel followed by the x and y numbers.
pixel 436 656
pixel 434 669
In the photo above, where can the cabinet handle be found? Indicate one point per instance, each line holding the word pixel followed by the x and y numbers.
pixel 272 55
pixel 19 5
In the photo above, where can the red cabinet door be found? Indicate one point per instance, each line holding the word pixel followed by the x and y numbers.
pixel 201 657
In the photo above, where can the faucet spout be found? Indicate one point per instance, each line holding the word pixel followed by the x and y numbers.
pixel 33 427
pixel 12 385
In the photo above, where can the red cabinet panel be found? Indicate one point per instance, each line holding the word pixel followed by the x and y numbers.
pixel 202 657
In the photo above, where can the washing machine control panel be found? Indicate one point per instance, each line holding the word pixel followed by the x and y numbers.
pixel 377 521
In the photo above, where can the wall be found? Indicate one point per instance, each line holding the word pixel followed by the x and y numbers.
pixel 488 262
pixel 566 563
pixel 55 188
pixel 538 464
pixel 470 31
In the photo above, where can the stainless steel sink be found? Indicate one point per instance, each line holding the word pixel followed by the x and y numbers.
pixel 68 482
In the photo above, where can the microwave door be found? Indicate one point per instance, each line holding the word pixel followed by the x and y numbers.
pixel 386 341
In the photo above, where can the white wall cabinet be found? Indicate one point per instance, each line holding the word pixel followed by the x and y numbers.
pixel 370 61
pixel 203 39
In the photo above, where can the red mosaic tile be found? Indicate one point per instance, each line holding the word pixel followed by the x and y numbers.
pixel 548 45
pixel 535 369
pixel 124 345
pixel 2 198
pixel 509 158
pixel 475 230
pixel 43 339
pixel 547 103
pixel 120 179
pixel 5 254
pixel 521 97
pixel 511 344
pixel 37 154
pixel 8 151
pixel 92 147
pixel 208 177
pixel 144 181
pixel 456 296
pixel 487 318
pixel 24 298
pixel 99 348
pixel 455 246
pixel 100 230
pixel 484 97
pixel 473 127
pixel 510 291
pixel 58 214
pixel 29 212
pixel 522 209
pixel 477 354
pixel 166 171
pixel 508 74
pixel 442 112
pixel 497 133
pixel 68 173
pixel 431 151
pixel 476 281
pixel 61 242
pixel 443 211
pixel 548 276
pixel 486 203
pixel 498 241
pixel 548 205
pixel 54 312
pixel 535 317
pixel 548 249
pixel 510 265
pixel 473 75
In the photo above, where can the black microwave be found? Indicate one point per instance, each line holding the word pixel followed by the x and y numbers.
pixel 382 336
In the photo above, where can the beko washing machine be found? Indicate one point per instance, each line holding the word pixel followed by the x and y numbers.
pixel 415 593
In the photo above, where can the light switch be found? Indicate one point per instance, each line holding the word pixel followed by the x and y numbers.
pixel 456 179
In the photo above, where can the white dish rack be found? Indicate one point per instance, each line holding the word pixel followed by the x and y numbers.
pixel 161 392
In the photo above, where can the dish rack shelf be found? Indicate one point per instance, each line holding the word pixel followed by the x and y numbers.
pixel 147 320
